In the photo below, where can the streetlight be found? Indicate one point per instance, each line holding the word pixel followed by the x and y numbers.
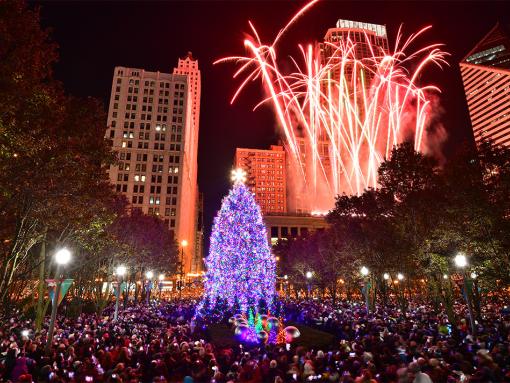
pixel 184 243
pixel 62 258
pixel 366 289
pixel 401 290
pixel 386 276
pixel 309 276
pixel 119 272
pixel 149 274
pixel 161 278
pixel 445 276
pixel 461 262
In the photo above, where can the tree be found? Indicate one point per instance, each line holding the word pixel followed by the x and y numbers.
pixel 240 266
pixel 147 245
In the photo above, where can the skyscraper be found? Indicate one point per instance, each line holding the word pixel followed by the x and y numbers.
pixel 153 122
pixel 266 176
pixel 486 76
pixel 343 47
pixel 368 40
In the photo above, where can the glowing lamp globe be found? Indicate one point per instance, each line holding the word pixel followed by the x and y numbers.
pixel 149 274
pixel 400 276
pixel 460 260
pixel 63 256
pixel 386 276
pixel 121 271
pixel 364 271
pixel 309 274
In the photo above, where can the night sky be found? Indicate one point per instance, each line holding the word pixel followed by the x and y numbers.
pixel 95 36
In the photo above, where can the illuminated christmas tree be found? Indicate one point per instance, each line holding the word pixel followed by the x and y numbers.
pixel 240 266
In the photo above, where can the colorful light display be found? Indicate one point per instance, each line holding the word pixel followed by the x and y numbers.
pixel 341 114
pixel 240 266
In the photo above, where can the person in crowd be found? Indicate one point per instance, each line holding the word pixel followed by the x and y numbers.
pixel 162 342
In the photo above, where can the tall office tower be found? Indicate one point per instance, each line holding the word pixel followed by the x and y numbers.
pixel 153 125
pixel 349 42
pixel 197 266
pixel 369 40
pixel 266 176
pixel 188 66
pixel 486 76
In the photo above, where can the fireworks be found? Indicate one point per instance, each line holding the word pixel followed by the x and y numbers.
pixel 343 108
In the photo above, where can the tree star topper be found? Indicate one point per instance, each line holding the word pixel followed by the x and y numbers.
pixel 238 176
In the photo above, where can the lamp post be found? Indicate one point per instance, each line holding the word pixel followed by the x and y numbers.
pixel 119 272
pixel 366 289
pixel 149 274
pixel 286 284
pixel 386 278
pixel 62 258
pixel 309 276
pixel 161 278
pixel 184 243
pixel 461 262
pixel 401 291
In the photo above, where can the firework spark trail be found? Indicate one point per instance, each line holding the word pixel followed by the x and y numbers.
pixel 340 118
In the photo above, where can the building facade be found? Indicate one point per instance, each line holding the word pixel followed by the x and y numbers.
pixel 486 77
pixel 266 176
pixel 368 40
pixel 197 265
pixel 153 123
pixel 290 226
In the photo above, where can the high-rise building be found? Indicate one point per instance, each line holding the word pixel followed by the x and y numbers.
pixel 197 265
pixel 266 176
pixel 153 122
pixel 368 40
pixel 346 43
pixel 486 76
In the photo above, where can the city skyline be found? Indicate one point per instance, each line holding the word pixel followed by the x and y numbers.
pixel 225 127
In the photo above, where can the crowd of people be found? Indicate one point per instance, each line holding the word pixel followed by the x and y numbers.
pixel 161 342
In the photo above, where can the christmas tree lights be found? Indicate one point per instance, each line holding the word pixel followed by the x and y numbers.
pixel 240 266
